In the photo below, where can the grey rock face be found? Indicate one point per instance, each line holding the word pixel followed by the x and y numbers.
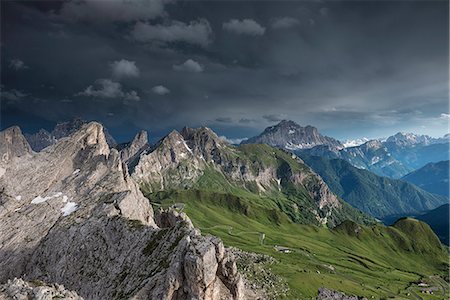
pixel 133 149
pixel 72 215
pixel 289 135
pixel 13 144
pixel 328 294
pixel 18 289
pixel 43 138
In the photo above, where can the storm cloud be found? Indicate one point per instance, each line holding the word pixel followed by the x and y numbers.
pixel 350 68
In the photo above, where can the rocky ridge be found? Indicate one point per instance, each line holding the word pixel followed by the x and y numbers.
pixel 37 290
pixel 181 160
pixel 43 138
pixel 130 151
pixel 72 215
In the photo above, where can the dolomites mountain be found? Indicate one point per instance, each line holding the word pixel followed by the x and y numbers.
pixel 130 151
pixel 194 156
pixel 43 138
pixel 392 157
pixel 72 215
pixel 289 135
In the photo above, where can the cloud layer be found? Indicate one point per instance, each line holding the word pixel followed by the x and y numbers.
pixel 245 26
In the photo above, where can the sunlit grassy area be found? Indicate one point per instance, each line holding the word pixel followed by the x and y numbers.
pixel 372 261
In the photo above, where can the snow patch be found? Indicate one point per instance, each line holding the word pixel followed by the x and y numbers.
pixel 355 143
pixel 69 208
pixel 76 171
pixel 40 199
pixel 65 198
pixel 291 131
pixel 187 147
pixel 18 198
pixel 375 160
pixel 279 184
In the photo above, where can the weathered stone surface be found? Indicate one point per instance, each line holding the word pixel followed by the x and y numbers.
pixel 72 215
pixel 328 294
pixel 18 289
pixel 131 150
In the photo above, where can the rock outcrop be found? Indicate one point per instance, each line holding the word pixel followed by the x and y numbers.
pixel 43 138
pixel 130 151
pixel 328 294
pixel 72 215
pixel 37 290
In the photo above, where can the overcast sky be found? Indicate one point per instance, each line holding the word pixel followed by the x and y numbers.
pixel 352 69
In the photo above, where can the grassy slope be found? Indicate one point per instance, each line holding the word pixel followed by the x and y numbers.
pixel 378 261
pixel 378 196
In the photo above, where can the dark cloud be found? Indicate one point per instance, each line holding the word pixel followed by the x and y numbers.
pixel 224 120
pixel 106 88
pixel 17 64
pixel 160 90
pixel 196 32
pixel 284 22
pixel 350 68
pixel 124 68
pixel 246 26
pixel 110 11
pixel 189 66
pixel 274 117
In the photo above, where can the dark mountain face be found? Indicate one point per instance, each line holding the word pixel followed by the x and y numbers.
pixel 433 177
pixel 395 157
pixel 43 138
pixel 373 194
pixel 438 219
pixel 289 135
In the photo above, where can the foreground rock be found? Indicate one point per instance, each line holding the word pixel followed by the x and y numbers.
pixel 72 215
pixel 328 294
pixel 20 289
pixel 42 139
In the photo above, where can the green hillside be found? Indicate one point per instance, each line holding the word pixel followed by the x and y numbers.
pixel 373 194
pixel 372 261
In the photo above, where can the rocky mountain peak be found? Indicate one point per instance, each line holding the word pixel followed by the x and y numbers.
pixel 131 150
pixel 13 144
pixel 290 135
pixel 43 138
pixel 72 215
pixel 205 143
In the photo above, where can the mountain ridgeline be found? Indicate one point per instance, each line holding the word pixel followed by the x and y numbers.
pixel 433 177
pixel 289 135
pixel 114 222
pixel 393 157
pixel 378 196
pixel 199 159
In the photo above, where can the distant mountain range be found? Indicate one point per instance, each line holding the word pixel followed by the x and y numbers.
pixel 393 157
pixel 378 196
pixel 433 177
